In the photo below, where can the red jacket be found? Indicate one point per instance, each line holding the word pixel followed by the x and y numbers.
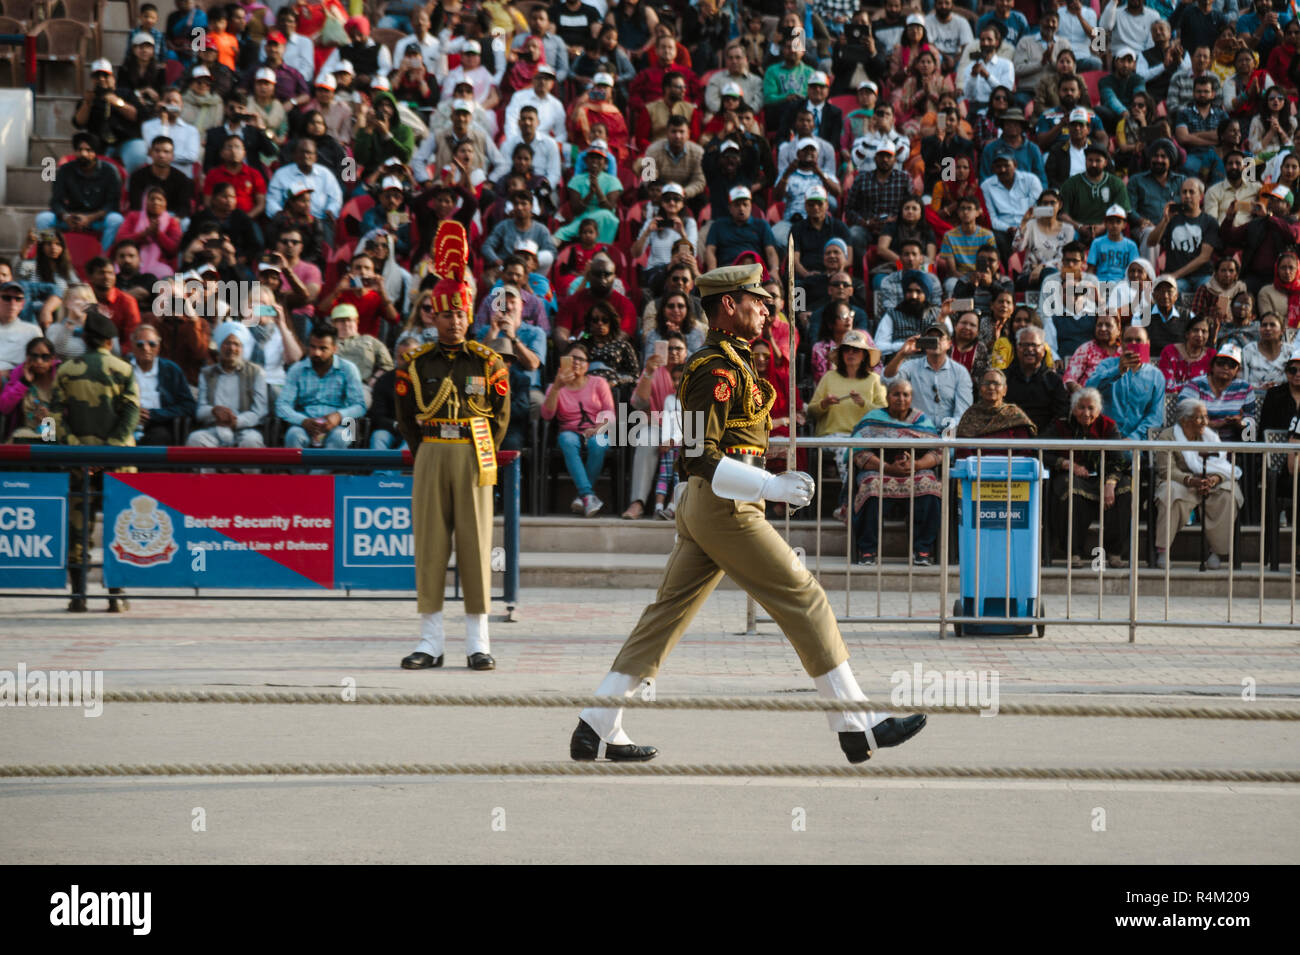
pixel 573 313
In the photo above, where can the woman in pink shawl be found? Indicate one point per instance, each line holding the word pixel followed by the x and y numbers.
pixel 524 68
pixel 156 231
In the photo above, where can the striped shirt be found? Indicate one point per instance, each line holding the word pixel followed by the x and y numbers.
pixel 963 247
pixel 1237 399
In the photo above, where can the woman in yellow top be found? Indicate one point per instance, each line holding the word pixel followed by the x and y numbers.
pixel 847 391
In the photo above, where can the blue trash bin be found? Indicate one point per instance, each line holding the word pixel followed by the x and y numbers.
pixel 983 542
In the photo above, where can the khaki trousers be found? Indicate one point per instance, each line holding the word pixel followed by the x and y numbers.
pixel 1183 500
pixel 446 499
pixel 716 536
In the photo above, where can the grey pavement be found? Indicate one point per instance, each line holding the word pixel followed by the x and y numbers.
pixel 563 642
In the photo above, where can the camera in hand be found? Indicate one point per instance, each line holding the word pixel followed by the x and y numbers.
pixel 856 32
pixel 927 342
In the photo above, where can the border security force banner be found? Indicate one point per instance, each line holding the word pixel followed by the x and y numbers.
pixel 33 530
pixel 258 531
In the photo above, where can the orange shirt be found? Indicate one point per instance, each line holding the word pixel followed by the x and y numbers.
pixel 227 49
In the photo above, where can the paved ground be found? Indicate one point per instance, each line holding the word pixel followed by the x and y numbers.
pixel 564 643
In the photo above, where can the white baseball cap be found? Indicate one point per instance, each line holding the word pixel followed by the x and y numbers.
pixel 804 143
pixel 915 19
pixel 1116 210
pixel 1124 52
pixel 101 66
pixel 141 38
pixel 602 79
pixel 471 47
pixel 546 69
pixel 819 79
pixel 739 192
pixel 380 83
pixel 733 89
pixel 816 194
pixel 729 144
pixel 265 74
pixel 526 245
pixel 200 72
pixel 392 182
pixel 462 106
pixel 886 147
pixel 1231 351
pixel 868 85
pixel 671 187
pixel 326 81
pixel 345 67
pixel 1080 115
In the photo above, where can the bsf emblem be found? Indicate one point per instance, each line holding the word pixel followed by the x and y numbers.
pixel 143 535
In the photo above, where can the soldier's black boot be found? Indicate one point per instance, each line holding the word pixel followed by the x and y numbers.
pixel 77 581
pixel 586 745
pixel 116 602
pixel 890 732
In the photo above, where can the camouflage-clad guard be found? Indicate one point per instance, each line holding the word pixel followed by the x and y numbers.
pixel 721 528
pixel 453 407
pixel 97 402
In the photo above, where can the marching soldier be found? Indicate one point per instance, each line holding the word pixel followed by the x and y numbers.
pixel 97 402
pixel 453 407
pixel 721 528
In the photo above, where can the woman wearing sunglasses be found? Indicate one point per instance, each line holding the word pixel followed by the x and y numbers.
pixel 25 401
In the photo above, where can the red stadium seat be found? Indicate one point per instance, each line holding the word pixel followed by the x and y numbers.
pixel 1092 79
pixel 349 224
pixel 82 247
pixel 847 102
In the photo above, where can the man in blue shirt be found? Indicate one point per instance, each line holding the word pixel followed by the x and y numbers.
pixel 730 237
pixel 1028 157
pixel 1132 390
pixel 320 393
pixel 1008 195
pixel 1013 22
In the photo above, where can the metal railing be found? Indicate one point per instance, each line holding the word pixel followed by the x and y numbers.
pixel 1270 478
pixel 83 461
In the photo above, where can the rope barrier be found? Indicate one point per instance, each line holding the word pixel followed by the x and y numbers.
pixel 1143 774
pixel 767 704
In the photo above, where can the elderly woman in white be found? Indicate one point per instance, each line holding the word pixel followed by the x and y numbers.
pixel 1195 479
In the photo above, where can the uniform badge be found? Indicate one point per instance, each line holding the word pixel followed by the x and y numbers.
pixel 722 391
pixel 449 431
pixel 503 387
pixel 475 385
pixel 402 387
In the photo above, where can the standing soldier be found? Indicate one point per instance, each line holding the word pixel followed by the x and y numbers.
pixel 453 407
pixel 97 402
pixel 721 529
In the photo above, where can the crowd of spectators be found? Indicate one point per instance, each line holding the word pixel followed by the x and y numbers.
pixel 1018 220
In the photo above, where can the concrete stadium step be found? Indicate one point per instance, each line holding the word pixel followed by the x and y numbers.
pixel 15 220
pixel 59 79
pixel 27 182
pixel 46 147
pixel 53 114
pixel 117 16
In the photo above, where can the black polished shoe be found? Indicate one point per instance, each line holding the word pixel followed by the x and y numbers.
pixel 77 605
pixel 890 732
pixel 421 661
pixel 585 745
pixel 480 661
pixel 116 602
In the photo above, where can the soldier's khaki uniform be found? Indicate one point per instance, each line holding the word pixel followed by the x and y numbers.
pixel 717 536
pixel 440 395
pixel 96 402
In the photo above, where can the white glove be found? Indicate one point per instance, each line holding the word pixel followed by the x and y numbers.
pixel 741 482
pixel 791 487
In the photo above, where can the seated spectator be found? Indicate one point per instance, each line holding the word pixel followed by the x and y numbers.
pixel 581 403
pixel 366 352
pixel 289 83
pixel 411 80
pixel 1135 130
pixel 655 394
pixel 675 159
pixel 155 231
pixel 1189 237
pixel 222 211
pixel 910 226
pixel 1009 196
pixel 204 105
pixel 28 394
pixel 1066 156
pixel 305 172
pixel 364 288
pixel 1182 361
pixel 514 271
pixel 1196 128
pixel 674 318
pixel 805 137
pixel 1131 299
pixel 1193 480
pixel 911 258
pixel 652 121
pixel 1263 362
pixel 875 198
pixel 1002 350
pixel 14 332
pixel 961 245
pixel 165 395
pixel 992 416
pixel 69 319
pixel 1081 195
pixel 848 391
pixel 1132 389
pixel 739 233
pixel 664 227
pixel 986 284
pixel 802 180
pixel 275 346
pixel 597 287
pixel 225 81
pixel 330 153
pixel 594 195
pixel 1084 360
pixel 1119 88
pixel 1099 484
pixel 1033 387
pixel 186 151
pixel 836 322
pixel 46 276
pixel 521 225
pixel 320 393
pixel 903 475
pixel 940 386
pixel 967 349
pixel 384 432
pixel 298 281
pixel 177 185
pixel 817 284
pixel 527 341
pixel 1165 322
pixel 1282 296
pixel 1041 240
pixel 943 211
pixel 979 77
pixel 1228 397
pixel 1110 254
pixel 112 116
pixel 118 305
pixel 87 193
pixel 596 108
pixel 611 354
pixel 380 134
pixel 1214 299
pixel 233 402
pixel 296 217
pixel 543 150
pixel 1154 190
pixel 338 114
pixel 1281 403
pixel 907 320
pixel 141 70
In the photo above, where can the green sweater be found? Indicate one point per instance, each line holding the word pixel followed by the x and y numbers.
pixel 780 81
pixel 370 150
pixel 1086 202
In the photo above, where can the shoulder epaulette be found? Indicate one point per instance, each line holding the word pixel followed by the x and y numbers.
pixel 478 348
pixel 420 351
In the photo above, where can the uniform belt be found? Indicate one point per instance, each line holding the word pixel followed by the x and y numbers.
pixel 746 454
pixel 450 430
